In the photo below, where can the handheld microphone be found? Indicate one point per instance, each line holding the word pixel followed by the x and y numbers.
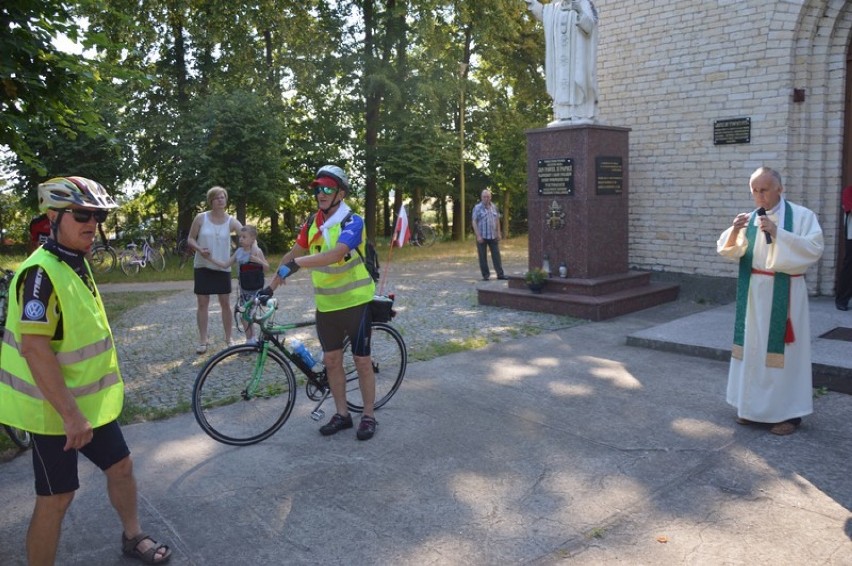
pixel 762 212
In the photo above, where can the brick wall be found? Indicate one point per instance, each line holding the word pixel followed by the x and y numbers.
pixel 668 69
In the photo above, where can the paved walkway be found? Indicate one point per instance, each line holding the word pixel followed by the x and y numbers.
pixel 566 447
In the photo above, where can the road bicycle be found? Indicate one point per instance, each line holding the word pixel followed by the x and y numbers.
pixel 132 260
pixel 21 438
pixel 422 234
pixel 245 393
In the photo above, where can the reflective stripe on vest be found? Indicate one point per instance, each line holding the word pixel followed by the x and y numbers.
pixel 342 285
pixel 86 355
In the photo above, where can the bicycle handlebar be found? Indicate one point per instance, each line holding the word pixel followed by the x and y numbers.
pixel 260 309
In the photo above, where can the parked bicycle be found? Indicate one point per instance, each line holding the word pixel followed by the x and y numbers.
pixel 132 259
pixel 184 252
pixel 21 438
pixel 245 393
pixel 422 234
pixel 102 258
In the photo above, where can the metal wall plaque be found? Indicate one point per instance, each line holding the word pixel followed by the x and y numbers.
pixel 555 177
pixel 609 176
pixel 734 130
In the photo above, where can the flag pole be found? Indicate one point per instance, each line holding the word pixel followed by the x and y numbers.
pixel 387 271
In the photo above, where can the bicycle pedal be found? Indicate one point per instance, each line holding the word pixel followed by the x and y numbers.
pixel 317 414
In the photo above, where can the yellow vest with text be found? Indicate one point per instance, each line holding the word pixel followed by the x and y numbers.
pixel 344 284
pixel 86 355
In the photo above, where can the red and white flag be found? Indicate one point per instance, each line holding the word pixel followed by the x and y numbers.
pixel 402 233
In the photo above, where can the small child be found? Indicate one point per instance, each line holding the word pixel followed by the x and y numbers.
pixel 252 265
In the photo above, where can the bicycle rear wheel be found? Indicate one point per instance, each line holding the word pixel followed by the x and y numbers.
pixel 390 359
pixel 129 264
pixel 102 259
pixel 427 235
pixel 156 259
pixel 21 438
pixel 242 396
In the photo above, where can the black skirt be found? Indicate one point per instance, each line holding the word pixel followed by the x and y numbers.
pixel 212 281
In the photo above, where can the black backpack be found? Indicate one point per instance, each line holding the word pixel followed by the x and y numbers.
pixel 370 257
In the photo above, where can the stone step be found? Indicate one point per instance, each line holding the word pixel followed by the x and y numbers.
pixel 589 307
pixel 592 286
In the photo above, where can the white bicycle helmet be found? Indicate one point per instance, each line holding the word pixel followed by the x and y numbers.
pixel 336 173
pixel 62 192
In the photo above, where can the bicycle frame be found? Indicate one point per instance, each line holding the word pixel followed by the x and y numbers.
pixel 269 334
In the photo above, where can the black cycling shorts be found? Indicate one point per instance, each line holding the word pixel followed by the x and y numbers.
pixel 335 326
pixel 56 470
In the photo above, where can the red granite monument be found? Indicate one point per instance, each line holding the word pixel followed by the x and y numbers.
pixel 578 197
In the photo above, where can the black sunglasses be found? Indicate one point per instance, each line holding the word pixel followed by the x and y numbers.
pixel 325 190
pixel 83 216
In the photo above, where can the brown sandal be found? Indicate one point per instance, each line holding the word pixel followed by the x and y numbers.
pixel 783 429
pixel 129 548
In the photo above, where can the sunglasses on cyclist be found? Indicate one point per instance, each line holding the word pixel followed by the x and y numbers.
pixel 83 216
pixel 324 190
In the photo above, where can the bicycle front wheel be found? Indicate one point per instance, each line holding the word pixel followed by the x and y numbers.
pixel 102 259
pixel 21 438
pixel 243 396
pixel 129 264
pixel 390 359
pixel 156 259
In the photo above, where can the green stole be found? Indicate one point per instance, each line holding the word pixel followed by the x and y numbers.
pixel 780 329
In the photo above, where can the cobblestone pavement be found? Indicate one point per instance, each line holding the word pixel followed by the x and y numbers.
pixel 437 312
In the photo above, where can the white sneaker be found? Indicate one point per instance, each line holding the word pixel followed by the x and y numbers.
pixel 251 341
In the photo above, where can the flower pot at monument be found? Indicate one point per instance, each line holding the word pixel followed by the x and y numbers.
pixel 535 287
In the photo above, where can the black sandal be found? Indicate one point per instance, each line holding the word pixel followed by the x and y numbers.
pixel 128 547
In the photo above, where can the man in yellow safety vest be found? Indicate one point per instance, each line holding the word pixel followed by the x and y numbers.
pixel 59 374
pixel 343 289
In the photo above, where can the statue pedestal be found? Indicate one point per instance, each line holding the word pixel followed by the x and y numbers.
pixel 577 195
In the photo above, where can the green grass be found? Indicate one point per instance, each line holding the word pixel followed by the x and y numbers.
pixel 438 349
pixel 448 251
pixel 136 414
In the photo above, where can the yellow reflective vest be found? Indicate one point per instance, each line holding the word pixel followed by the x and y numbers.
pixel 344 284
pixel 86 355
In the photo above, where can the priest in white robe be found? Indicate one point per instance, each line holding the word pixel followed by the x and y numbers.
pixel 770 379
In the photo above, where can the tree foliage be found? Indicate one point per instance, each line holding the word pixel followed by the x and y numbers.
pixel 44 92
pixel 179 95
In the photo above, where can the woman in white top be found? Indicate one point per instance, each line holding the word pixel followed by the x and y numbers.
pixel 210 237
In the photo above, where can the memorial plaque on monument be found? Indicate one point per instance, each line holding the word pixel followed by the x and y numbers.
pixel 735 130
pixel 555 177
pixel 609 176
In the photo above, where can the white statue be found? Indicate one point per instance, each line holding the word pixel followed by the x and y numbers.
pixel 571 41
